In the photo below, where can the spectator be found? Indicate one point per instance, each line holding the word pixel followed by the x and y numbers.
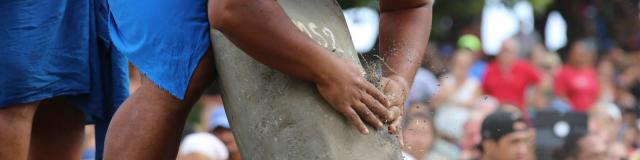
pixel 472 43
pixel 582 146
pixel 423 88
pixel 548 63
pixel 617 151
pixel 631 76
pixel 219 126
pixel 606 121
pixel 449 123
pixel 505 136
pixel 577 81
pixel 202 146
pixel 89 152
pixel 457 96
pixel 606 77
pixel 507 77
pixel 418 134
pixel 457 89
pixel 629 108
pixel 210 100
pixel 629 136
pixel 472 137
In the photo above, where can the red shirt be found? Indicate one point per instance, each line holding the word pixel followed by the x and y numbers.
pixel 509 86
pixel 579 86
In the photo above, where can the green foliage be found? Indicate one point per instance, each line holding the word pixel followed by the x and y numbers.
pixel 540 6
pixel 449 16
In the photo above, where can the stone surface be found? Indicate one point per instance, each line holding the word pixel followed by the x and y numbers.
pixel 275 116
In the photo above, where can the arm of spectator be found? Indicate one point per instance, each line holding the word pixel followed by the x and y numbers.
pixel 475 98
pixel 538 94
pixel 265 32
pixel 628 76
pixel 536 78
pixel 404 34
pixel 443 94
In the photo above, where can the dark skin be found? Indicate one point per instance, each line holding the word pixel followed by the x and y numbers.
pixel 47 129
pixel 404 33
pixel 298 55
pixel 148 125
pixel 404 25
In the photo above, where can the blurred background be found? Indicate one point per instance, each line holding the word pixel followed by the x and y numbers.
pixel 568 67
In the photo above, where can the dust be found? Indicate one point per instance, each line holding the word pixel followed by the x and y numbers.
pixel 373 65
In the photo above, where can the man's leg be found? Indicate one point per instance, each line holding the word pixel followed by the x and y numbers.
pixel 58 131
pixel 15 130
pixel 149 124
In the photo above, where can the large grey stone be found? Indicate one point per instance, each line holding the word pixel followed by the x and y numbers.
pixel 275 116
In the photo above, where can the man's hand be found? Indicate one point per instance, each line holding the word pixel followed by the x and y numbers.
pixel 349 93
pixel 396 89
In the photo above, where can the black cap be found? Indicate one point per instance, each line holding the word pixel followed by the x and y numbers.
pixel 501 123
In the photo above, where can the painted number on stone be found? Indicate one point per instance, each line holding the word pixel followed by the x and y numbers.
pixel 324 36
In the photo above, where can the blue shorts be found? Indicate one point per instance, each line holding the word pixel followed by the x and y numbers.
pixel 61 48
pixel 164 39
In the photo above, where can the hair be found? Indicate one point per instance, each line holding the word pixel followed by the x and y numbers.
pixel 571 146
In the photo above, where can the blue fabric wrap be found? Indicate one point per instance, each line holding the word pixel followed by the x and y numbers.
pixel 62 48
pixel 164 39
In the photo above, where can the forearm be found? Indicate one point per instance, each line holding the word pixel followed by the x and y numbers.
pixel 404 34
pixel 264 32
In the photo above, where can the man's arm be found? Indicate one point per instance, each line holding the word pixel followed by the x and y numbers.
pixel 405 26
pixel 263 31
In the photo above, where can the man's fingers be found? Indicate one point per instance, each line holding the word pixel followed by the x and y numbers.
pixel 355 120
pixel 375 93
pixel 376 107
pixel 367 115
pixel 394 128
pixel 396 114
pixel 395 111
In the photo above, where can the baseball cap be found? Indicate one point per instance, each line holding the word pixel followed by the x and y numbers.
pixel 204 144
pixel 218 118
pixel 470 42
pixel 501 123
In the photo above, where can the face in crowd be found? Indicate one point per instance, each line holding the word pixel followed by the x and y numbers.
pixel 226 136
pixel 582 55
pixel 418 136
pixel 590 147
pixel 506 136
pixel 513 146
pixel 509 52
